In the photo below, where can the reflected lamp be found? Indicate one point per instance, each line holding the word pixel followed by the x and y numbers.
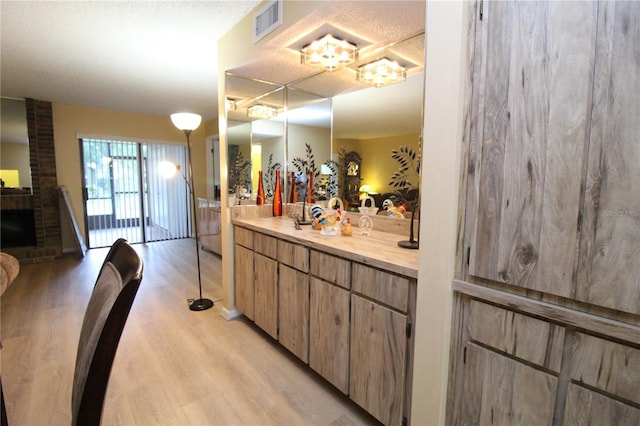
pixel 382 73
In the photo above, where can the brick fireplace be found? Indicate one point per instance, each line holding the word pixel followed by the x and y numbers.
pixel 43 200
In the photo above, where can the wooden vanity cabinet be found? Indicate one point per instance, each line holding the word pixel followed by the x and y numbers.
pixel 329 318
pixel 244 276
pixel 378 359
pixel 266 283
pixel 380 343
pixel 293 298
pixel 349 321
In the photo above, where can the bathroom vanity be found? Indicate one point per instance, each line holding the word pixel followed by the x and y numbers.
pixel 343 305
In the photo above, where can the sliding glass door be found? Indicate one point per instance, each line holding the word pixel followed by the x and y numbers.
pixel 125 196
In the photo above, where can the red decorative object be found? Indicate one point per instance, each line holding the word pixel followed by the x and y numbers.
pixel 277 196
pixel 293 194
pixel 260 199
pixel 310 188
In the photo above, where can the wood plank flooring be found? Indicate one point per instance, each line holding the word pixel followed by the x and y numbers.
pixel 173 366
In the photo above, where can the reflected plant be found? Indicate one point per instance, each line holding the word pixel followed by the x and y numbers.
pixel 405 179
pixel 269 176
pixel 306 167
pixel 239 175
pixel 332 184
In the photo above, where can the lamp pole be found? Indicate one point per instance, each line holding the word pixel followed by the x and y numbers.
pixel 191 122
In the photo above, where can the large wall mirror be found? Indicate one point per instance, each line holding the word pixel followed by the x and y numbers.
pixel 308 145
pixel 334 115
pixel 255 134
pixel 369 122
pixel 14 145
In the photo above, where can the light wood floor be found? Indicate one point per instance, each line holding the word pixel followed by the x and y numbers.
pixel 173 366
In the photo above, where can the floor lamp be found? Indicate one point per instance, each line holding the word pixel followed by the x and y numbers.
pixel 188 122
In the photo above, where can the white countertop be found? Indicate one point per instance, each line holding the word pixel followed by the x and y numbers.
pixel 379 249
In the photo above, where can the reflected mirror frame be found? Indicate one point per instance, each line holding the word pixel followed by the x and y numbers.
pixel 245 92
pixel 309 132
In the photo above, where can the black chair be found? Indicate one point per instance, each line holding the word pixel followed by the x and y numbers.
pixel 104 320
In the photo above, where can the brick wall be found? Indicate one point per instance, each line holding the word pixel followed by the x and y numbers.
pixel 44 183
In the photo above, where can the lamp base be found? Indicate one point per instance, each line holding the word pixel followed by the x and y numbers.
pixel 200 304
pixel 304 222
pixel 409 244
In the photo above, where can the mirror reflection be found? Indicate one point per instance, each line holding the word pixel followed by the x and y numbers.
pixel 15 171
pixel 342 132
pixel 255 135
pixel 308 146
pixel 369 124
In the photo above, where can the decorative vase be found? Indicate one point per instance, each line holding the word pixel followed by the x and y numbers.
pixel 310 188
pixel 260 199
pixel 277 196
pixel 293 194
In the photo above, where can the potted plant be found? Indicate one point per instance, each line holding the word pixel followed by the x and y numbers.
pixel 405 180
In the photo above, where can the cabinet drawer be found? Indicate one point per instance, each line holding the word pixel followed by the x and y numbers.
pixel 243 237
pixel 264 244
pixel 522 336
pixel 384 287
pixel 293 255
pixel 330 268
pixel 606 365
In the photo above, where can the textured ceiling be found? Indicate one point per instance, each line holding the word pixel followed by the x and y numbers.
pixel 154 57
pixel 158 57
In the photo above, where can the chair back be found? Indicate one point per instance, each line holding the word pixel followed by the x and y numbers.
pixel 104 320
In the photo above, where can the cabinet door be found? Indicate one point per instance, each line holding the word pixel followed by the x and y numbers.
pixel 586 407
pixel 266 294
pixel 501 391
pixel 378 360
pixel 293 311
pixel 609 267
pixel 243 283
pixel 532 84
pixel 329 333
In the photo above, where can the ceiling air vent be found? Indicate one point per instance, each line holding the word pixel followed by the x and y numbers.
pixel 267 19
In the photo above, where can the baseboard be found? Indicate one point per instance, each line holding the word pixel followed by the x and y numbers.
pixel 229 314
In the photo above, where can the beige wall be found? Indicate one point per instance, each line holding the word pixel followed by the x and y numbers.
pixel 441 153
pixel 71 121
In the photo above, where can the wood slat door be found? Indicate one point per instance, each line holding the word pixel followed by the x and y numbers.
pixel 293 312
pixel 378 360
pixel 329 332
pixel 530 121
pixel 609 268
pixel 501 391
pixel 266 294
pixel 244 288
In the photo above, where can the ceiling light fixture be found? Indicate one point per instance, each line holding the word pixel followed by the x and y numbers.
pixel 382 73
pixel 261 111
pixel 329 53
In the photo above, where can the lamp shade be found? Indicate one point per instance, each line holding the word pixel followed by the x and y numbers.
pixel 186 120
pixel 366 188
